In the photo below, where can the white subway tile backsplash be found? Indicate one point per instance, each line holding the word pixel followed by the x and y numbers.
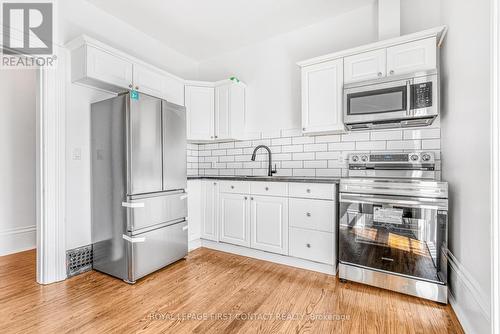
pixel 292 148
pixel 348 146
pixel 404 145
pixel 356 136
pixel 433 133
pixel 431 144
pixel 303 156
pixel 304 172
pixel 281 141
pixel 327 139
pixel 316 164
pixel 370 145
pixel 291 164
pixel 315 147
pixel 302 140
pixel 297 155
pixel 327 155
pixel 226 145
pixel 387 135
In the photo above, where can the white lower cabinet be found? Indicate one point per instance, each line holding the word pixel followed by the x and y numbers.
pixel 209 200
pixel 233 219
pixel 274 217
pixel 269 224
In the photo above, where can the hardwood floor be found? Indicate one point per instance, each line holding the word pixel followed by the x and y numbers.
pixel 226 289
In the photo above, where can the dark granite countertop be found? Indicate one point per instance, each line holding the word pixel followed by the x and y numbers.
pixel 305 179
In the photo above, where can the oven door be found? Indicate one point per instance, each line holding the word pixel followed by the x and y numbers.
pixel 400 235
pixel 377 102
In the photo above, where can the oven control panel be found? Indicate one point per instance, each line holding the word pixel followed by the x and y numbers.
pixel 391 158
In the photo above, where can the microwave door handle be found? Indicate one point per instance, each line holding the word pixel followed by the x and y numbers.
pixel 408 98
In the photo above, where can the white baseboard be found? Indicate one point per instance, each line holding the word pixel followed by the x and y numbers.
pixel 193 244
pixel 271 257
pixel 17 240
pixel 467 299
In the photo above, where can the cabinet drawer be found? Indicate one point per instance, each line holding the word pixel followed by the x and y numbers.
pixel 312 214
pixel 269 188
pixel 312 245
pixel 312 190
pixel 237 187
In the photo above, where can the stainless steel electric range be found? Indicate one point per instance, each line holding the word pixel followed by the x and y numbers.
pixel 394 223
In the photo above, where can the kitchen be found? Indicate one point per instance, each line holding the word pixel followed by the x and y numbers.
pixel 292 135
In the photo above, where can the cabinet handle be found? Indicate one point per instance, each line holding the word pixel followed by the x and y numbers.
pixel 267 188
pixel 303 129
pixel 246 198
pixel 130 86
pixel 215 183
pixel 391 72
pixel 136 87
pixel 308 190
pixel 232 187
pixel 308 214
pixel 216 137
pixel 251 198
pixel 379 74
pixel 308 245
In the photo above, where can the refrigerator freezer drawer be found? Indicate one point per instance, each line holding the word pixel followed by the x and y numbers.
pixel 156 249
pixel 149 211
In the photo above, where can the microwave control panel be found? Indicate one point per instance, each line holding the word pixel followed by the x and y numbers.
pixel 421 95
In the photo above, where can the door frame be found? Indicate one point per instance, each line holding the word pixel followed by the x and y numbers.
pixel 495 165
pixel 51 171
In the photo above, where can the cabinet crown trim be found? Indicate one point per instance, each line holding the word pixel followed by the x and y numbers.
pixel 438 32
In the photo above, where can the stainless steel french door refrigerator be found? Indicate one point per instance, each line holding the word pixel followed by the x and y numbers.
pixel 138 172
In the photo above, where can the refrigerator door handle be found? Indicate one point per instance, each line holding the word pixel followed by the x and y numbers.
pixel 133 205
pixel 133 239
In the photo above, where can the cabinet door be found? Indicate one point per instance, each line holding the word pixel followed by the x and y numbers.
pixel 209 205
pixel 322 97
pixel 222 112
pixel 364 66
pixel 229 111
pixel 145 145
pixel 412 57
pixel 269 224
pixel 148 81
pixel 200 113
pixel 108 68
pixel 233 218
pixel 173 90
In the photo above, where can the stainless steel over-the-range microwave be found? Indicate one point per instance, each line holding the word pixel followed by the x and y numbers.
pixel 392 102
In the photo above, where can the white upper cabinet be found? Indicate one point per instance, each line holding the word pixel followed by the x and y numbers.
pixel 322 97
pixel 227 111
pixel 412 57
pixel 173 89
pixel 365 66
pixel 200 111
pixel 269 224
pixel 148 81
pixel 97 65
pixel 103 66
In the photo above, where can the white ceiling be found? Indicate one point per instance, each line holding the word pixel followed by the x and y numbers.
pixel 201 29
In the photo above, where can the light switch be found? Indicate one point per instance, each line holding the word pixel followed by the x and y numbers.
pixel 76 154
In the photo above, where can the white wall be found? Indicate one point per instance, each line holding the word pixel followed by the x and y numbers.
pixel 77 17
pixel 269 67
pixel 465 154
pixel 17 170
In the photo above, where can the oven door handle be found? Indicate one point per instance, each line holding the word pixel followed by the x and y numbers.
pixel 420 203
